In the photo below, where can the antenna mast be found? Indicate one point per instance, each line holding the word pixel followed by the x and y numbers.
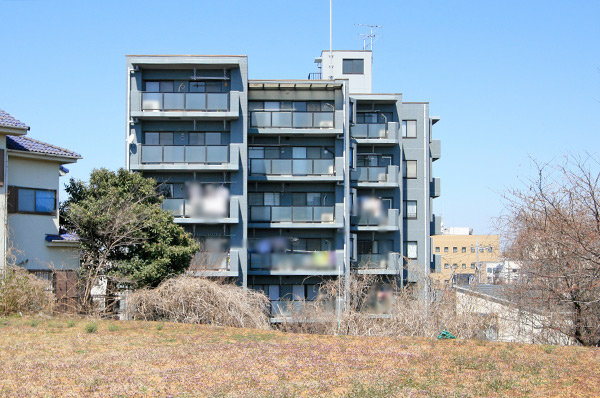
pixel 330 39
pixel 371 36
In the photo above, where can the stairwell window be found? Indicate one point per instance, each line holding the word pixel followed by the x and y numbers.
pixel 353 66
pixel 409 129
pixel 409 169
pixel 410 250
pixel 410 212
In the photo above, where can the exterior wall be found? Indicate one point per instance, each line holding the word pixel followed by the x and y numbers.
pixel 3 212
pixel 27 232
pixel 474 263
pixel 358 83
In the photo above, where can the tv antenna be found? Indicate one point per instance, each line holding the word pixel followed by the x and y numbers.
pixel 369 38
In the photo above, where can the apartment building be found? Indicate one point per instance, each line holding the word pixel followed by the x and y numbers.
pixel 287 183
pixel 465 258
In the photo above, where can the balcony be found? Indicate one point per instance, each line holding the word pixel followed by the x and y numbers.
pixel 186 157
pixel 185 105
pixel 388 221
pixel 296 169
pixel 184 212
pixel 215 264
pixel 376 134
pixel 388 263
pixel 297 216
pixel 314 123
pixel 375 177
pixel 435 148
pixel 303 263
pixel 435 188
pixel 436 225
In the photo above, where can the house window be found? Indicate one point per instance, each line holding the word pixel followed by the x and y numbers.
pixel 353 66
pixel 409 169
pixel 464 249
pixel 446 265
pixel 464 266
pixel 472 250
pixel 409 129
pixel 489 249
pixel 410 250
pixel 473 265
pixel 33 201
pixel 437 249
pixel 410 212
pixel 455 250
pixel 445 250
pixel 455 266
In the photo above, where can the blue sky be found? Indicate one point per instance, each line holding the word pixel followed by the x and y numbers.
pixel 511 80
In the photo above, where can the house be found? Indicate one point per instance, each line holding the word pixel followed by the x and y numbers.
pixel 287 183
pixel 30 195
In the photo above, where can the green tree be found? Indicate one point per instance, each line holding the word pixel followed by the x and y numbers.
pixel 124 233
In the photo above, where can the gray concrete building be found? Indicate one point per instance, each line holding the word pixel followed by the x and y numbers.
pixel 287 183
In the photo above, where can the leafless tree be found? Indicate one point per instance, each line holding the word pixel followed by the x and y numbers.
pixel 553 230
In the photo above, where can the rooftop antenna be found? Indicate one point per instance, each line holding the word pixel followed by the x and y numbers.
pixel 371 36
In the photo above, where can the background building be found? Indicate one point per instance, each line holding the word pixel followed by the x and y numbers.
pixel 287 182
pixel 465 258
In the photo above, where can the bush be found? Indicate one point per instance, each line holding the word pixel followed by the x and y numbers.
pixel 188 299
pixel 22 292
pixel 91 327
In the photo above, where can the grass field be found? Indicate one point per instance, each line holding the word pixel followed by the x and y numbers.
pixel 82 358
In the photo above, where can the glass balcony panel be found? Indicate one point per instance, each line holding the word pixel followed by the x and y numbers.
pixel 173 154
pixel 260 213
pixel 281 308
pixel 257 261
pixel 323 166
pixel 174 101
pixel 323 120
pixel 281 166
pixel 217 154
pixel 377 131
pixel 323 213
pixel 152 102
pixel 261 119
pixel 281 214
pixel 302 214
pixel 195 101
pixel 360 131
pixel 362 174
pixel 260 166
pixel 195 154
pixel 378 174
pixel 151 154
pixel 216 102
pixel 371 261
pixel 282 119
pixel 175 206
pixel 303 120
pixel 302 167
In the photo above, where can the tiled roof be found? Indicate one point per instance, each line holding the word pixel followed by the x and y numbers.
pixel 26 144
pixel 7 120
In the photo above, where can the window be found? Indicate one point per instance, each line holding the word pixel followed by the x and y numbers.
pixel 410 211
pixel 410 250
pixel 446 265
pixel 374 117
pixel 437 249
pixel 29 200
pixel 464 266
pixel 409 169
pixel 489 249
pixel 455 266
pixel 353 66
pixel 472 249
pixel 445 250
pixel 409 129
pixel 473 266
pixel 455 249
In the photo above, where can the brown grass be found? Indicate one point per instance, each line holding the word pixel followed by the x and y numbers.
pixel 58 358
pixel 22 292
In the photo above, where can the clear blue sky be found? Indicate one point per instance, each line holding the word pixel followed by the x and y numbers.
pixel 510 79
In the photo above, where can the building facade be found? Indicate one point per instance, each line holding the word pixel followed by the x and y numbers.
pixel 465 258
pixel 287 183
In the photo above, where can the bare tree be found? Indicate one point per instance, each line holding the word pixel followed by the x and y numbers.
pixel 553 229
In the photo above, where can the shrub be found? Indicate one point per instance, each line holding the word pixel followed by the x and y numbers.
pixel 91 327
pixel 22 292
pixel 197 300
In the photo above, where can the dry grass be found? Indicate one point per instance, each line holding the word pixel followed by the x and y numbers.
pixel 57 358
pixel 188 299
pixel 22 292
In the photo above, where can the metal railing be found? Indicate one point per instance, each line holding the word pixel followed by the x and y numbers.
pixel 152 101
pixel 298 167
pixel 374 131
pixel 292 119
pixel 388 218
pixel 370 174
pixel 185 154
pixel 189 209
pixel 315 76
pixel 298 214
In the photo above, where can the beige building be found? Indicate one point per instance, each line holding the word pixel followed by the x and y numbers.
pixel 464 256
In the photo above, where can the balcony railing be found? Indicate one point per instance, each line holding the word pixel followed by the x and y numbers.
pixel 387 261
pixel 303 261
pixel 209 261
pixel 184 208
pixel 293 167
pixel 379 131
pixel 315 76
pixel 185 154
pixel 286 308
pixel 370 174
pixel 298 214
pixel 296 120
pixel 185 101
pixel 388 218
